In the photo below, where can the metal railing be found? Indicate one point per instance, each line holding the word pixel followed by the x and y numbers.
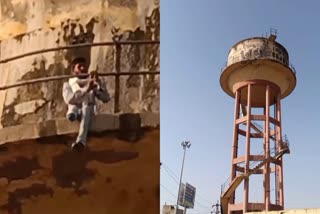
pixel 82 45
pixel 116 74
pixel 285 143
pixel 225 185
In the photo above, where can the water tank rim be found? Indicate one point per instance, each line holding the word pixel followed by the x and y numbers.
pixel 231 94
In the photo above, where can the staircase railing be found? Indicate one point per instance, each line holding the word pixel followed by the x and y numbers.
pixel 255 165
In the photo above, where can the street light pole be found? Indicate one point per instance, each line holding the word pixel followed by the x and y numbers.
pixel 185 145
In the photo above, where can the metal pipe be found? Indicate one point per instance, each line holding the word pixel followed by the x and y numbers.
pixel 140 42
pixel 117 79
pixel 47 79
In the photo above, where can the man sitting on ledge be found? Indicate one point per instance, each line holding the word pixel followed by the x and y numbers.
pixel 79 94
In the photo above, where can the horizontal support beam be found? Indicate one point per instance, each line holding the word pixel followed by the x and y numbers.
pixel 235 207
pixel 258 117
pixel 256 206
pixel 256 135
pixel 241 159
pixel 252 135
pixel 238 160
pixel 241 120
pixel 113 43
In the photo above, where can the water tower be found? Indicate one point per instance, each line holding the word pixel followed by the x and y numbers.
pixel 258 75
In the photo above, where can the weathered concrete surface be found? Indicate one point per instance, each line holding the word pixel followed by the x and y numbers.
pixel 61 126
pixel 38 24
pixel 257 48
pixel 293 211
pixel 113 176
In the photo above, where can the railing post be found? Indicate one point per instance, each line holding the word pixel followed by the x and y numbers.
pixel 117 78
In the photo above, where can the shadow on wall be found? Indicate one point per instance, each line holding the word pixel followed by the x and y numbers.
pixel 68 168
pixel 37 169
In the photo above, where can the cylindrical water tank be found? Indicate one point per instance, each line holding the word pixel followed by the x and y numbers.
pixel 258 58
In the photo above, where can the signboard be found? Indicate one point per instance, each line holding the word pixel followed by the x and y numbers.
pixel 187 195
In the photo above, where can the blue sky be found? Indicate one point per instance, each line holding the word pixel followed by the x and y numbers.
pixel 195 40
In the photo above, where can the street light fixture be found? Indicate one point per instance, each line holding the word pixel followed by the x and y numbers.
pixel 216 208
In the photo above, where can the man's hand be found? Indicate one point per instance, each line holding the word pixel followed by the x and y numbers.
pixel 94 81
pixel 92 84
pixel 94 75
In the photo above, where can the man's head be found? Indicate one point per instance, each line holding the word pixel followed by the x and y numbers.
pixel 78 65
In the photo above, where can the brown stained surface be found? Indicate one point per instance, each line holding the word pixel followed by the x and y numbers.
pixel 111 176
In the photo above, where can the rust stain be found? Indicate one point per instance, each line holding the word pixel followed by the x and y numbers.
pixel 16 197
pixel 19 168
pixel 108 180
pixel 109 172
pixel 70 170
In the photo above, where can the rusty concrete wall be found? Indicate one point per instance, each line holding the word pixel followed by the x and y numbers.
pixel 29 25
pixel 112 176
pixel 256 48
